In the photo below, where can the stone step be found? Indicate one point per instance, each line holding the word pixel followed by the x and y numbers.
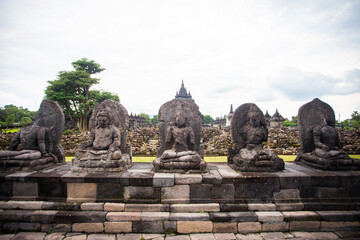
pixel 110 217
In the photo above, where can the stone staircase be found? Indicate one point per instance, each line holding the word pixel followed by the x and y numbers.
pixel 48 217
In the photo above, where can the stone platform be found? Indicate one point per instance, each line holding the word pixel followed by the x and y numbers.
pixel 219 201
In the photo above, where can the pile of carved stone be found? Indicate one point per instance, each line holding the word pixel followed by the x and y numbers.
pixel 179 145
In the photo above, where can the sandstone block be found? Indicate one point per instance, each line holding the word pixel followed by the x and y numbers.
pixel 118 227
pixel 233 217
pixel 262 207
pixel 29 235
pixel 114 207
pixel 123 216
pixel 194 226
pixel 187 179
pixel 148 227
pixel 101 237
pixel 87 227
pixel 224 236
pixel 92 206
pixel 21 226
pixel 225 227
pixel 270 216
pixel 43 216
pixel 178 237
pixel 249 227
pixel 155 216
pixel 81 192
pixel 343 216
pixel 24 205
pixel 311 226
pixel 146 207
pixel 289 206
pixel 206 207
pixel 202 236
pixel 25 190
pixel 189 217
pixel 339 226
pixel 176 194
pixel 250 236
pixel 88 216
pixel 275 227
pixel 164 180
pixel 301 216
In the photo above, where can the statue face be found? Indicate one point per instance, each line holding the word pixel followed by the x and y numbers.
pixel 103 121
pixel 180 121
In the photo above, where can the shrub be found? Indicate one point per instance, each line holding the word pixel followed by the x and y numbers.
pixel 68 132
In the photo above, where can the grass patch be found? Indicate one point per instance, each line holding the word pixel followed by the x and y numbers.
pixel 287 158
pixel 12 130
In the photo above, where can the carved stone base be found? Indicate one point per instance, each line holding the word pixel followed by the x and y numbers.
pixel 99 166
pixel 26 165
pixel 255 160
pixel 184 164
pixel 337 164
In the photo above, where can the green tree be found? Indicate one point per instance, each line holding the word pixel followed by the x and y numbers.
pixel 154 119
pixel 146 116
pixel 10 119
pixel 287 123
pixel 352 123
pixel 25 121
pixel 208 119
pixel 72 91
pixel 18 112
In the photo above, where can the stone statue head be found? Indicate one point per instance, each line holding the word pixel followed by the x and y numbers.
pixel 180 121
pixel 103 118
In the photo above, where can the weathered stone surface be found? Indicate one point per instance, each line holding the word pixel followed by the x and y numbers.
pixel 225 227
pixel 118 227
pixel 146 207
pixel 92 206
pixel 339 226
pixel 21 226
pixel 101 237
pixel 262 207
pixel 193 207
pixel 269 216
pixel 200 193
pixel 88 216
pixel 81 192
pixel 87 227
pixel 155 216
pixel 248 236
pixel 43 216
pixel 223 192
pixel 188 179
pixel 114 207
pixel 287 195
pixel 63 206
pixel 305 226
pixel 301 216
pixel 194 226
pixel 16 215
pixel 123 216
pixel 273 236
pixel 234 207
pixel 148 227
pixel 55 236
pixel 249 227
pixel 275 227
pixel 24 205
pixel 25 190
pixel 202 236
pixel 75 236
pixel 163 180
pixel 289 206
pixel 134 236
pixel 176 194
pixel 28 236
pixel 189 216
pixel 233 217
pixel 342 216
pixel 62 228
pixel 224 236
pixel 142 194
pixel 315 235
pixel 178 237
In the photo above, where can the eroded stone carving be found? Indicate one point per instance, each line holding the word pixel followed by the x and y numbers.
pixel 180 133
pixel 107 149
pixel 320 144
pixel 248 132
pixel 39 143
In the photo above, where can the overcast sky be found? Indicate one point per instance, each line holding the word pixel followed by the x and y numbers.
pixel 277 54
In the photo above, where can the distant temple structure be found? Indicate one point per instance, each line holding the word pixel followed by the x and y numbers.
pixel 137 121
pixel 276 121
pixel 229 116
pixel 183 92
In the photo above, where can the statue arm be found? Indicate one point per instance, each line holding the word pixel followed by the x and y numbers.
pixel 191 136
pixel 168 134
pixel 15 141
pixel 89 142
pixel 338 143
pixel 116 140
pixel 317 139
pixel 41 140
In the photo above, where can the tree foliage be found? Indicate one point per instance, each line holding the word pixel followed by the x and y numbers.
pixel 353 123
pixel 146 116
pixel 154 119
pixel 18 112
pixel 25 121
pixel 208 119
pixel 10 119
pixel 72 91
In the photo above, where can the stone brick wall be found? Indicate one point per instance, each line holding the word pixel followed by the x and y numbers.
pixel 145 141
